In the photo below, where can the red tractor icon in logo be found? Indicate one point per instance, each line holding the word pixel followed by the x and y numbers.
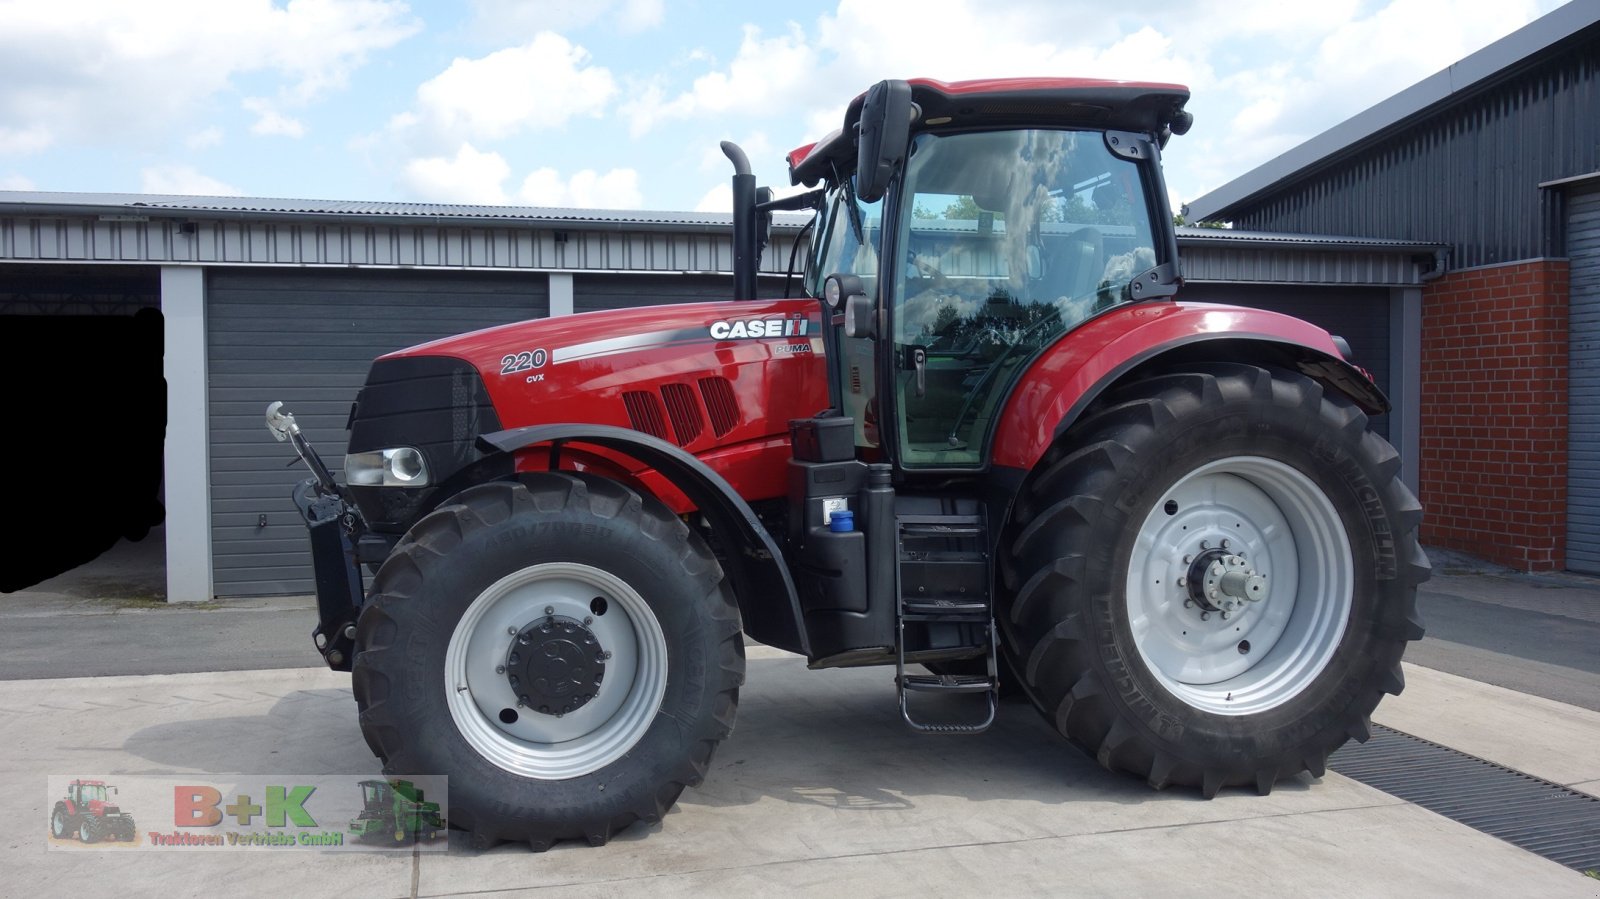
pixel 87 813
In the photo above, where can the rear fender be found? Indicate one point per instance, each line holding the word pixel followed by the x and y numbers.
pixel 1083 366
pixel 761 582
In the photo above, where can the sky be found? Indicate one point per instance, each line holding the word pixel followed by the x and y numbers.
pixel 621 103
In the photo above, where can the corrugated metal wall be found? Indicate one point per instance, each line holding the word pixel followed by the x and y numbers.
pixel 1361 316
pixel 247 242
pixel 592 292
pixel 307 338
pixel 1583 386
pixel 1468 176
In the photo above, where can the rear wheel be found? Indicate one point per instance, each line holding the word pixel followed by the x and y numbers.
pixel 566 651
pixel 1212 580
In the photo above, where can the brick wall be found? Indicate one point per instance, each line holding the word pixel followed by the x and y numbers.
pixel 1493 473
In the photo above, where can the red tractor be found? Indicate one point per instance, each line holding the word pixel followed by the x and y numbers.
pixel 988 439
pixel 88 814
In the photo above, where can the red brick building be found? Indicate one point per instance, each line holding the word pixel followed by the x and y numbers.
pixel 1497 159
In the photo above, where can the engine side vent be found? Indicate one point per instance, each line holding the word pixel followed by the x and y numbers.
pixel 718 393
pixel 684 410
pixel 644 413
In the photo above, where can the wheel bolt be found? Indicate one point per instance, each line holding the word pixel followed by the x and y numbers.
pixel 607 654
pixel 588 620
pixel 512 631
pixel 549 610
pixel 1188 559
pixel 499 669
pixel 1224 543
pixel 1205 544
pixel 1183 582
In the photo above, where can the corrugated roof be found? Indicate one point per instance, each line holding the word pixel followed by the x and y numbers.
pixel 1192 236
pixel 256 208
pixel 137 204
pixel 1498 59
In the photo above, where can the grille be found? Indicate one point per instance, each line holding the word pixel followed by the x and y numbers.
pixel 718 394
pixel 1542 817
pixel 684 410
pixel 644 413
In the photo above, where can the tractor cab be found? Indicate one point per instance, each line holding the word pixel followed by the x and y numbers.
pixel 984 233
pixel 961 230
pixel 84 792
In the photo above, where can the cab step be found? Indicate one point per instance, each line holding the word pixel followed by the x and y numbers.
pixel 943 578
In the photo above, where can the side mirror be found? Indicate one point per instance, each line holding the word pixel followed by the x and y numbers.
pixel 859 316
pixel 885 134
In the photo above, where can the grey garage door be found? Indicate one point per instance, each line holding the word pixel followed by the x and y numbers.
pixel 1359 315
pixel 1583 418
pixel 592 292
pixel 307 338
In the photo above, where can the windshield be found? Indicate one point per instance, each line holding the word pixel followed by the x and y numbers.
pixel 1013 238
pixel 837 249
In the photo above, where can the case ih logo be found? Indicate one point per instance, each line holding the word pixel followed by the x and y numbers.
pixel 774 327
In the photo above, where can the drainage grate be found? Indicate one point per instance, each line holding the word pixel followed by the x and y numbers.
pixel 1546 818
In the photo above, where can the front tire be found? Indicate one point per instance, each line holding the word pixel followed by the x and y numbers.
pixel 563 649
pixel 1213 578
pixel 61 825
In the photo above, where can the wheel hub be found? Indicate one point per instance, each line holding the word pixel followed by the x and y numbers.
pixel 555 665
pixel 1221 581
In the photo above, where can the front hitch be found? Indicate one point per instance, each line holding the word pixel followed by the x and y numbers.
pixel 335 527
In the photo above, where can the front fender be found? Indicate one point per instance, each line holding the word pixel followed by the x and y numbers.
pixel 1070 375
pixel 767 599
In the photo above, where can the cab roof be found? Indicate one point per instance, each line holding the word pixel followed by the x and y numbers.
pixel 1087 102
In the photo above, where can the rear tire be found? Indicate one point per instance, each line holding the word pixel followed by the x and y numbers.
pixel 619 575
pixel 1109 642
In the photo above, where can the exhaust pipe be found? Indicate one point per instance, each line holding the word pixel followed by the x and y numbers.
pixel 746 253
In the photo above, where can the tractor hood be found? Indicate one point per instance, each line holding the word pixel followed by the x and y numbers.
pixel 721 380
pixel 596 367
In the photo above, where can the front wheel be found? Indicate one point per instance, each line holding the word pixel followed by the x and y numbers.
pixel 1213 579
pixel 60 822
pixel 566 651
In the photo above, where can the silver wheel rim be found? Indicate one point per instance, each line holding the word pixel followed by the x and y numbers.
pixel 1268 650
pixel 58 824
pixel 544 746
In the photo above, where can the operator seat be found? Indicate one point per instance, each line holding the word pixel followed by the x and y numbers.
pixel 1073 265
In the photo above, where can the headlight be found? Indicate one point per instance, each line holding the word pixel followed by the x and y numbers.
pixel 399 467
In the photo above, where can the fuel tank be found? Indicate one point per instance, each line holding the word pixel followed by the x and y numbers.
pixel 721 380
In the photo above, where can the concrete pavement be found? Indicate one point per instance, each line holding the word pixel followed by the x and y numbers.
pixel 820 791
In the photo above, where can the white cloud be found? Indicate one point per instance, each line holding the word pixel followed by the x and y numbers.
pixel 112 71
pixel 540 84
pixel 470 176
pixel 1266 75
pixel 16 182
pixel 22 141
pixel 616 189
pixel 640 15
pixel 717 199
pixel 270 122
pixel 204 139
pixel 183 179
pixel 493 20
